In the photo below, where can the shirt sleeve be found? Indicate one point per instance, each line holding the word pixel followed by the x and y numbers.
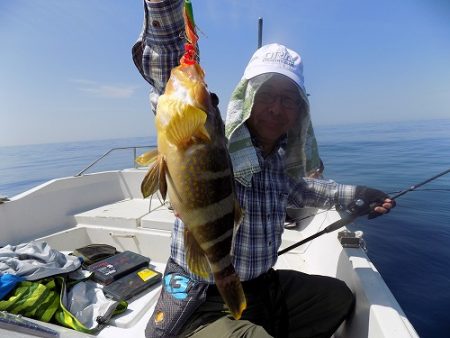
pixel 160 44
pixel 310 192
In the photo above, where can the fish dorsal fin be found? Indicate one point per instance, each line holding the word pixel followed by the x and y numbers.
pixel 195 258
pixel 187 122
pixel 155 179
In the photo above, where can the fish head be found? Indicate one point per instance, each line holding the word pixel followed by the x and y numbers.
pixel 187 87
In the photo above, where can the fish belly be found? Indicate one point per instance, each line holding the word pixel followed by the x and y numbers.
pixel 203 194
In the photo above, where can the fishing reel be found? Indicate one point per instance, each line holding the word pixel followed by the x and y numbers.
pixel 359 207
pixel 366 200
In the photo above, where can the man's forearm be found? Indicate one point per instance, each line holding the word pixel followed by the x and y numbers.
pixel 161 43
pixel 320 193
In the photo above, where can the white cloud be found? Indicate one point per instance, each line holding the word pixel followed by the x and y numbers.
pixel 102 90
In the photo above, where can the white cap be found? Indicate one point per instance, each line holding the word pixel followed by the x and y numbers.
pixel 276 58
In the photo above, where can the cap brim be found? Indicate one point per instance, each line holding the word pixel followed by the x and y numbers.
pixel 255 71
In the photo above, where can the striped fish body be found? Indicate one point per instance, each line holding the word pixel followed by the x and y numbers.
pixel 193 167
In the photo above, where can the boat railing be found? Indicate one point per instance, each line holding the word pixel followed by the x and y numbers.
pixel 134 148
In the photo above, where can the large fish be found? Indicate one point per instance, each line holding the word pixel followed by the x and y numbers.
pixel 193 167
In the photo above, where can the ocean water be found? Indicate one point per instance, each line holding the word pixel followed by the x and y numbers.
pixel 410 246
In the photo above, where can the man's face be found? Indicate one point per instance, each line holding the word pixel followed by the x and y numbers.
pixel 275 110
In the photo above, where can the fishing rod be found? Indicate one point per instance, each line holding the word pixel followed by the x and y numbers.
pixel 414 187
pixel 357 208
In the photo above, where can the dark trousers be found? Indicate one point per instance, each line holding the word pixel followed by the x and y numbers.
pixel 280 303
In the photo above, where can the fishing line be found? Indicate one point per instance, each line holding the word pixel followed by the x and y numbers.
pixel 312 215
pixel 418 190
pixel 414 187
pixel 358 208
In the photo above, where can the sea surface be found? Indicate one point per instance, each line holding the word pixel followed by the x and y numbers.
pixel 410 246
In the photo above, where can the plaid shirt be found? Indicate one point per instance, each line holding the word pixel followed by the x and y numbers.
pixel 160 45
pixel 256 243
pixel 258 238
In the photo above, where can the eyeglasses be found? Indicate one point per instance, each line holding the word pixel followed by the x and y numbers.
pixel 287 102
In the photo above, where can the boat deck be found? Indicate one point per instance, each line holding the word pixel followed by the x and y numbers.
pixel 142 226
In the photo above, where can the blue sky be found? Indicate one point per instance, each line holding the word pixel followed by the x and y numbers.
pixel 67 74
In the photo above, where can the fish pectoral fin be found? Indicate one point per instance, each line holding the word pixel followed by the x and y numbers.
pixel 155 179
pixel 188 123
pixel 195 258
pixel 147 158
pixel 163 173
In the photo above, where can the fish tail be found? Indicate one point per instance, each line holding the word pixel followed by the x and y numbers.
pixel 230 288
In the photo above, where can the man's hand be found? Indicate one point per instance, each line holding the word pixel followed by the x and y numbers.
pixel 379 202
pixel 384 208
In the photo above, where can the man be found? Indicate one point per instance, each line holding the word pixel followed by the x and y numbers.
pixel 272 147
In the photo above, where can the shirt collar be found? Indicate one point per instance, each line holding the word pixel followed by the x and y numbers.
pixel 281 144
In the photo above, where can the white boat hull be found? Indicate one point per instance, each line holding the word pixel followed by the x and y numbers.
pixel 107 207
